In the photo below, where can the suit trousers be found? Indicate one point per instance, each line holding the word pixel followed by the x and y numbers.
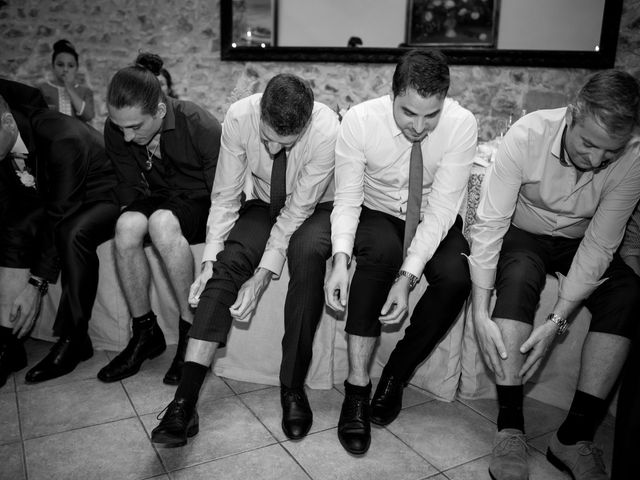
pixel 378 249
pixel 77 237
pixel 308 251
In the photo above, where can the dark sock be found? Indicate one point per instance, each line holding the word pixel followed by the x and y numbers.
pixel 192 379
pixel 510 402
pixel 357 390
pixel 144 321
pixel 6 335
pixel 585 414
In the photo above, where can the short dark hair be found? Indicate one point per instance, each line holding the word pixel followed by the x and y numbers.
pixel 426 71
pixel 612 98
pixel 137 85
pixel 63 46
pixel 287 104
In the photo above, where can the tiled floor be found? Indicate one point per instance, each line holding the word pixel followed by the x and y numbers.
pixel 76 427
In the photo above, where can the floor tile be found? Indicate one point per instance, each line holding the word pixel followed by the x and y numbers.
pixel 9 423
pixel 539 418
pixel 268 463
pixel 226 427
pixel 244 387
pixel 446 434
pixel 85 370
pixel 148 393
pixel 11 465
pixel 325 405
pixel 539 469
pixel 59 408
pixel 113 450
pixel 322 456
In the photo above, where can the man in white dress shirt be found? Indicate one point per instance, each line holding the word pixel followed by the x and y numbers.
pixel 556 200
pixel 284 143
pixel 375 144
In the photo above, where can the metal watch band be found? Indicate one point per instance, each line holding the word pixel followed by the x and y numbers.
pixel 413 280
pixel 561 322
pixel 41 285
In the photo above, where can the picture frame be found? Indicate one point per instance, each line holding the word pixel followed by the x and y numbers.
pixel 452 23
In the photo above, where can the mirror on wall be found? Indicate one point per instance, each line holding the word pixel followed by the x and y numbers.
pixel 551 33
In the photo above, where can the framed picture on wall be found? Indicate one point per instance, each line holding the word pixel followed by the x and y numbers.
pixel 254 23
pixel 451 23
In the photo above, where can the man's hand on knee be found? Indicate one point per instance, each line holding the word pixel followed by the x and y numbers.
pixel 249 294
pixel 491 344
pixel 397 304
pixel 25 310
pixel 199 283
pixel 336 288
pixel 536 346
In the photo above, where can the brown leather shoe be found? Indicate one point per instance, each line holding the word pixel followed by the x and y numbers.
pixel 509 459
pixel 583 461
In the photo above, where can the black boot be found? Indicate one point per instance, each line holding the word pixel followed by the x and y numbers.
pixel 62 359
pixel 296 412
pixel 147 342
pixel 173 375
pixel 387 401
pixel 12 354
pixel 179 422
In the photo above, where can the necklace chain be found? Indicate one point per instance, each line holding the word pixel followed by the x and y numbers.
pixel 150 154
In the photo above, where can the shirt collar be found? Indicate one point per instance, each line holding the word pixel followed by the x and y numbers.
pixel 19 146
pixel 169 120
pixel 556 146
pixel 391 122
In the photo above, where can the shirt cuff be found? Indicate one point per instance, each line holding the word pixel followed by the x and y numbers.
pixel 272 261
pixel 343 244
pixel 575 292
pixel 211 251
pixel 481 276
pixel 414 265
pixel 81 111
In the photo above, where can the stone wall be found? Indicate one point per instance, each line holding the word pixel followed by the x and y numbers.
pixel 109 34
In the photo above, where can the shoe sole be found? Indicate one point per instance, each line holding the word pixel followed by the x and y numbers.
pixel 171 442
pixel 494 478
pixel 559 464
pixel 151 356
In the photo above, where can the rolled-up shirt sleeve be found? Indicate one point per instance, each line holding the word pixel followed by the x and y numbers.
pixel 349 181
pixel 443 202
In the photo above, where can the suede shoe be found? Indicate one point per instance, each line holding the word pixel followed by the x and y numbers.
pixel 178 423
pixel 387 401
pixel 583 461
pixel 174 374
pixel 509 460
pixel 296 412
pixel 63 358
pixel 12 358
pixel 146 343
pixel 354 428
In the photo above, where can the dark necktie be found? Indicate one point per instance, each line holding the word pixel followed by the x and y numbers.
pixel 278 183
pixel 414 200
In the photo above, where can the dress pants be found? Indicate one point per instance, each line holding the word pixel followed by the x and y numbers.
pixel 308 251
pixel 378 249
pixel 77 238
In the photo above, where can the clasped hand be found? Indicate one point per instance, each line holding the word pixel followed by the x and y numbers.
pixel 25 310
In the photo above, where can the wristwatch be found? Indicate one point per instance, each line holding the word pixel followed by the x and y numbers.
pixel 560 322
pixel 41 285
pixel 413 280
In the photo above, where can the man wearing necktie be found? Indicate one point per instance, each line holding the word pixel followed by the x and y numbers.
pixel 57 190
pixel 402 164
pixel 279 147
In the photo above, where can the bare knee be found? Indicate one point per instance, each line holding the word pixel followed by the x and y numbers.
pixel 130 230
pixel 164 228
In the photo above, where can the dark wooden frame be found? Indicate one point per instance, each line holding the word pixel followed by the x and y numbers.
pixel 604 58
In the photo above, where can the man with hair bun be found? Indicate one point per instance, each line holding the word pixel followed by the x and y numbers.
pixel 283 143
pixel 556 201
pixel 165 153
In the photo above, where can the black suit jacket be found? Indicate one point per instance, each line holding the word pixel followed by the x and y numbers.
pixel 68 160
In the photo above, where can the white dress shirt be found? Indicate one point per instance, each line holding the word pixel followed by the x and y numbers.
pixel 245 162
pixel 529 187
pixel 372 169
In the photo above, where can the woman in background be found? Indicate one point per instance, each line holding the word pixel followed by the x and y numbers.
pixel 166 83
pixel 62 92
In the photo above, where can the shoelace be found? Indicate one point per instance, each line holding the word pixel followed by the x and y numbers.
pixel 588 449
pixel 176 409
pixel 512 443
pixel 355 407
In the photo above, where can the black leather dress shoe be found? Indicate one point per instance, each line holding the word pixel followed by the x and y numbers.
pixel 354 429
pixel 296 412
pixel 178 423
pixel 63 358
pixel 145 343
pixel 12 358
pixel 387 401
pixel 174 374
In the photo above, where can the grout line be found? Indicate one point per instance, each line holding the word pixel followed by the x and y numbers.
pixel 24 449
